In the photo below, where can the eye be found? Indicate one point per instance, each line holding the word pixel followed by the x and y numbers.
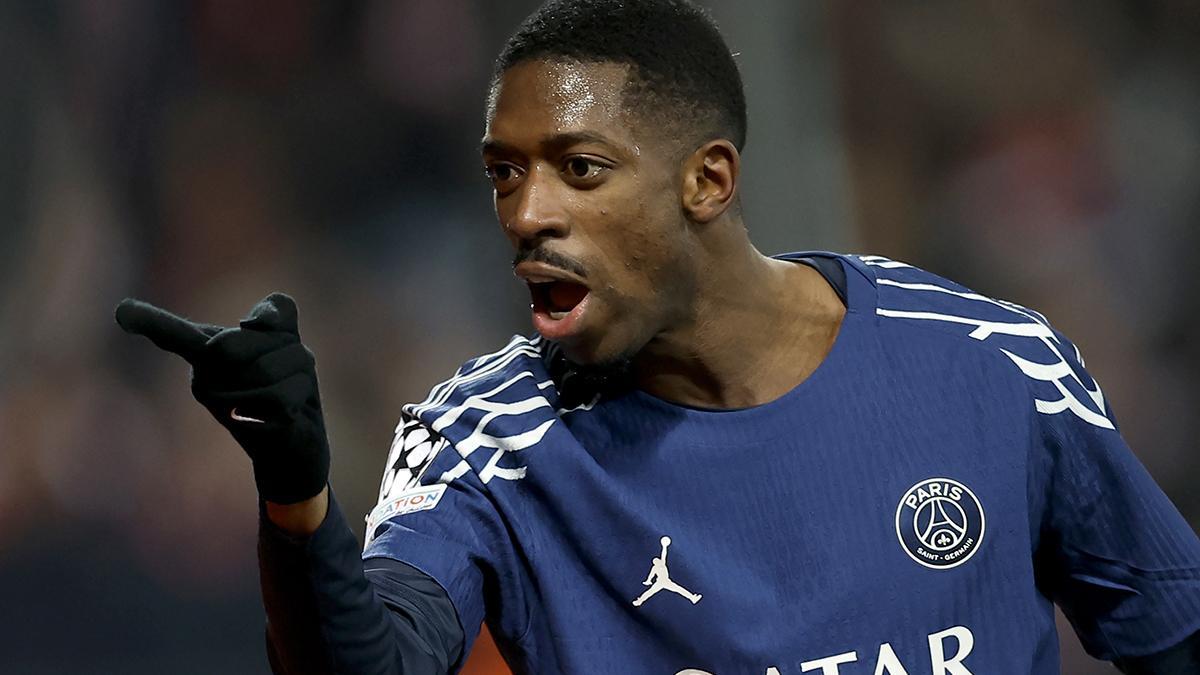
pixel 584 168
pixel 501 173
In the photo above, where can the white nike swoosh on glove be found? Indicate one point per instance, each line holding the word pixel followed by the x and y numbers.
pixel 234 414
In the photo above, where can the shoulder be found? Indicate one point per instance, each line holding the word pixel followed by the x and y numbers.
pixel 497 403
pixel 1050 365
pixel 520 366
pixel 937 303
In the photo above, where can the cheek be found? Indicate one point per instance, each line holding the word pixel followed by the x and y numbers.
pixel 658 238
pixel 503 209
pixel 646 250
pixel 637 230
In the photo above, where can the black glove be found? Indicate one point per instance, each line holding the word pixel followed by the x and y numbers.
pixel 260 383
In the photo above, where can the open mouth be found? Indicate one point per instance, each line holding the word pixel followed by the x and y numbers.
pixel 560 299
pixel 558 307
pixel 556 299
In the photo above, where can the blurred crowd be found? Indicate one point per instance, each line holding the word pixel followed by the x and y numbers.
pixel 201 154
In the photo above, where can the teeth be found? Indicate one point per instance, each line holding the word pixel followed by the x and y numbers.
pixel 557 316
pixel 540 280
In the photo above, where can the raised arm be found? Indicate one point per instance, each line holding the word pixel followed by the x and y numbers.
pixel 325 613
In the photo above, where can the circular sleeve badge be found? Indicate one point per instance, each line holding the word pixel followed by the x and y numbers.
pixel 940 523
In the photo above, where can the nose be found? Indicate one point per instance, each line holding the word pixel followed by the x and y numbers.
pixel 537 211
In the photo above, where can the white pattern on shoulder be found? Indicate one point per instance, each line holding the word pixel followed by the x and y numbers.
pixel 498 402
pixel 1041 358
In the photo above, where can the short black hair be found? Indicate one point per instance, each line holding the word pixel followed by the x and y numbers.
pixel 679 63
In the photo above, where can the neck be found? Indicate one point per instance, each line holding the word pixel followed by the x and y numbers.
pixel 756 328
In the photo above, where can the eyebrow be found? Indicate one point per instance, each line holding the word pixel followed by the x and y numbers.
pixel 555 141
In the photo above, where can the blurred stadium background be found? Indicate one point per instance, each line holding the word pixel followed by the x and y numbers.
pixel 202 153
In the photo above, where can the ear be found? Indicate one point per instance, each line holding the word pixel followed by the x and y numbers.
pixel 710 179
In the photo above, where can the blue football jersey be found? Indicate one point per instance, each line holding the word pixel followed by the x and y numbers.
pixel 914 507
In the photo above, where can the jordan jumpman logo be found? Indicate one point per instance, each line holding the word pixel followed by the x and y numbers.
pixel 659 579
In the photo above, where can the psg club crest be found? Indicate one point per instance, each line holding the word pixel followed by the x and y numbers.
pixel 939 522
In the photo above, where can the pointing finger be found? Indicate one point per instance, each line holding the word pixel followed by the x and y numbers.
pixel 166 330
pixel 276 312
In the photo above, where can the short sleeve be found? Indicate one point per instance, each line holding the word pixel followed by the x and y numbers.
pixel 441 521
pixel 1112 550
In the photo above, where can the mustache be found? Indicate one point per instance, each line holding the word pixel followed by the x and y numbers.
pixel 549 257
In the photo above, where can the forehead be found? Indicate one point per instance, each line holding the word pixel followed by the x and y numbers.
pixel 537 97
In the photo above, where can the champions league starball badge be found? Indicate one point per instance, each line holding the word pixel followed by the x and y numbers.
pixel 939 522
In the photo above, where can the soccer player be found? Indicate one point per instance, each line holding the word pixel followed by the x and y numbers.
pixel 859 467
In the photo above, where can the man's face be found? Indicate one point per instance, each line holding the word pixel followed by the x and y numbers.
pixel 592 205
